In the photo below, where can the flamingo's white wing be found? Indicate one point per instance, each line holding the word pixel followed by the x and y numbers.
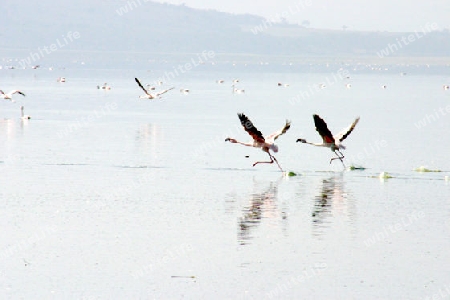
pixel 164 91
pixel 272 137
pixel 345 133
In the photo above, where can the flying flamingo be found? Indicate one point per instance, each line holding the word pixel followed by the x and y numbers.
pixel 330 141
pixel 259 141
pixel 149 95
pixel 9 95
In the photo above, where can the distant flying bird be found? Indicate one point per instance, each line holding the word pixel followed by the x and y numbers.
pixel 220 81
pixel 259 141
pixel 330 141
pixel 149 95
pixel 184 91
pixel 61 79
pixel 9 95
pixel 24 116
pixel 283 84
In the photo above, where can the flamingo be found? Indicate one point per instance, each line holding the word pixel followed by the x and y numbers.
pixel 330 141
pixel 150 87
pixel 149 95
pixel 24 117
pixel 8 96
pixel 259 141
pixel 184 91
pixel 237 91
pixel 105 86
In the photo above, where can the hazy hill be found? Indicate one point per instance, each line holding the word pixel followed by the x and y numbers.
pixel 144 26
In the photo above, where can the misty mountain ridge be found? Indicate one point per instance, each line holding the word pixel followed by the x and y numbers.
pixel 151 27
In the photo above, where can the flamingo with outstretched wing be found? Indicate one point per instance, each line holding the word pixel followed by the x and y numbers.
pixel 259 141
pixel 330 141
pixel 149 95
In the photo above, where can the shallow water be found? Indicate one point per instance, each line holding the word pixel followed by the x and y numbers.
pixel 106 196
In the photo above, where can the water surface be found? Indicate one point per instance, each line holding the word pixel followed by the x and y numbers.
pixel 108 196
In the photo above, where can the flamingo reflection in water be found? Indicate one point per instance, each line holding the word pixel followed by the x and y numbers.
pixel 263 205
pixel 149 143
pixel 331 204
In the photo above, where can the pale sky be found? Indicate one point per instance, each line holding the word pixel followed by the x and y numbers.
pixel 381 15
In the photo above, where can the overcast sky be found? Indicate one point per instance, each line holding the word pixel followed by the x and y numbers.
pixel 389 15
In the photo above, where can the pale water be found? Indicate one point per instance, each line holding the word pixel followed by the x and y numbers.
pixel 107 196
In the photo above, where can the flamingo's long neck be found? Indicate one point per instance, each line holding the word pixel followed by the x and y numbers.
pixel 246 144
pixel 317 144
